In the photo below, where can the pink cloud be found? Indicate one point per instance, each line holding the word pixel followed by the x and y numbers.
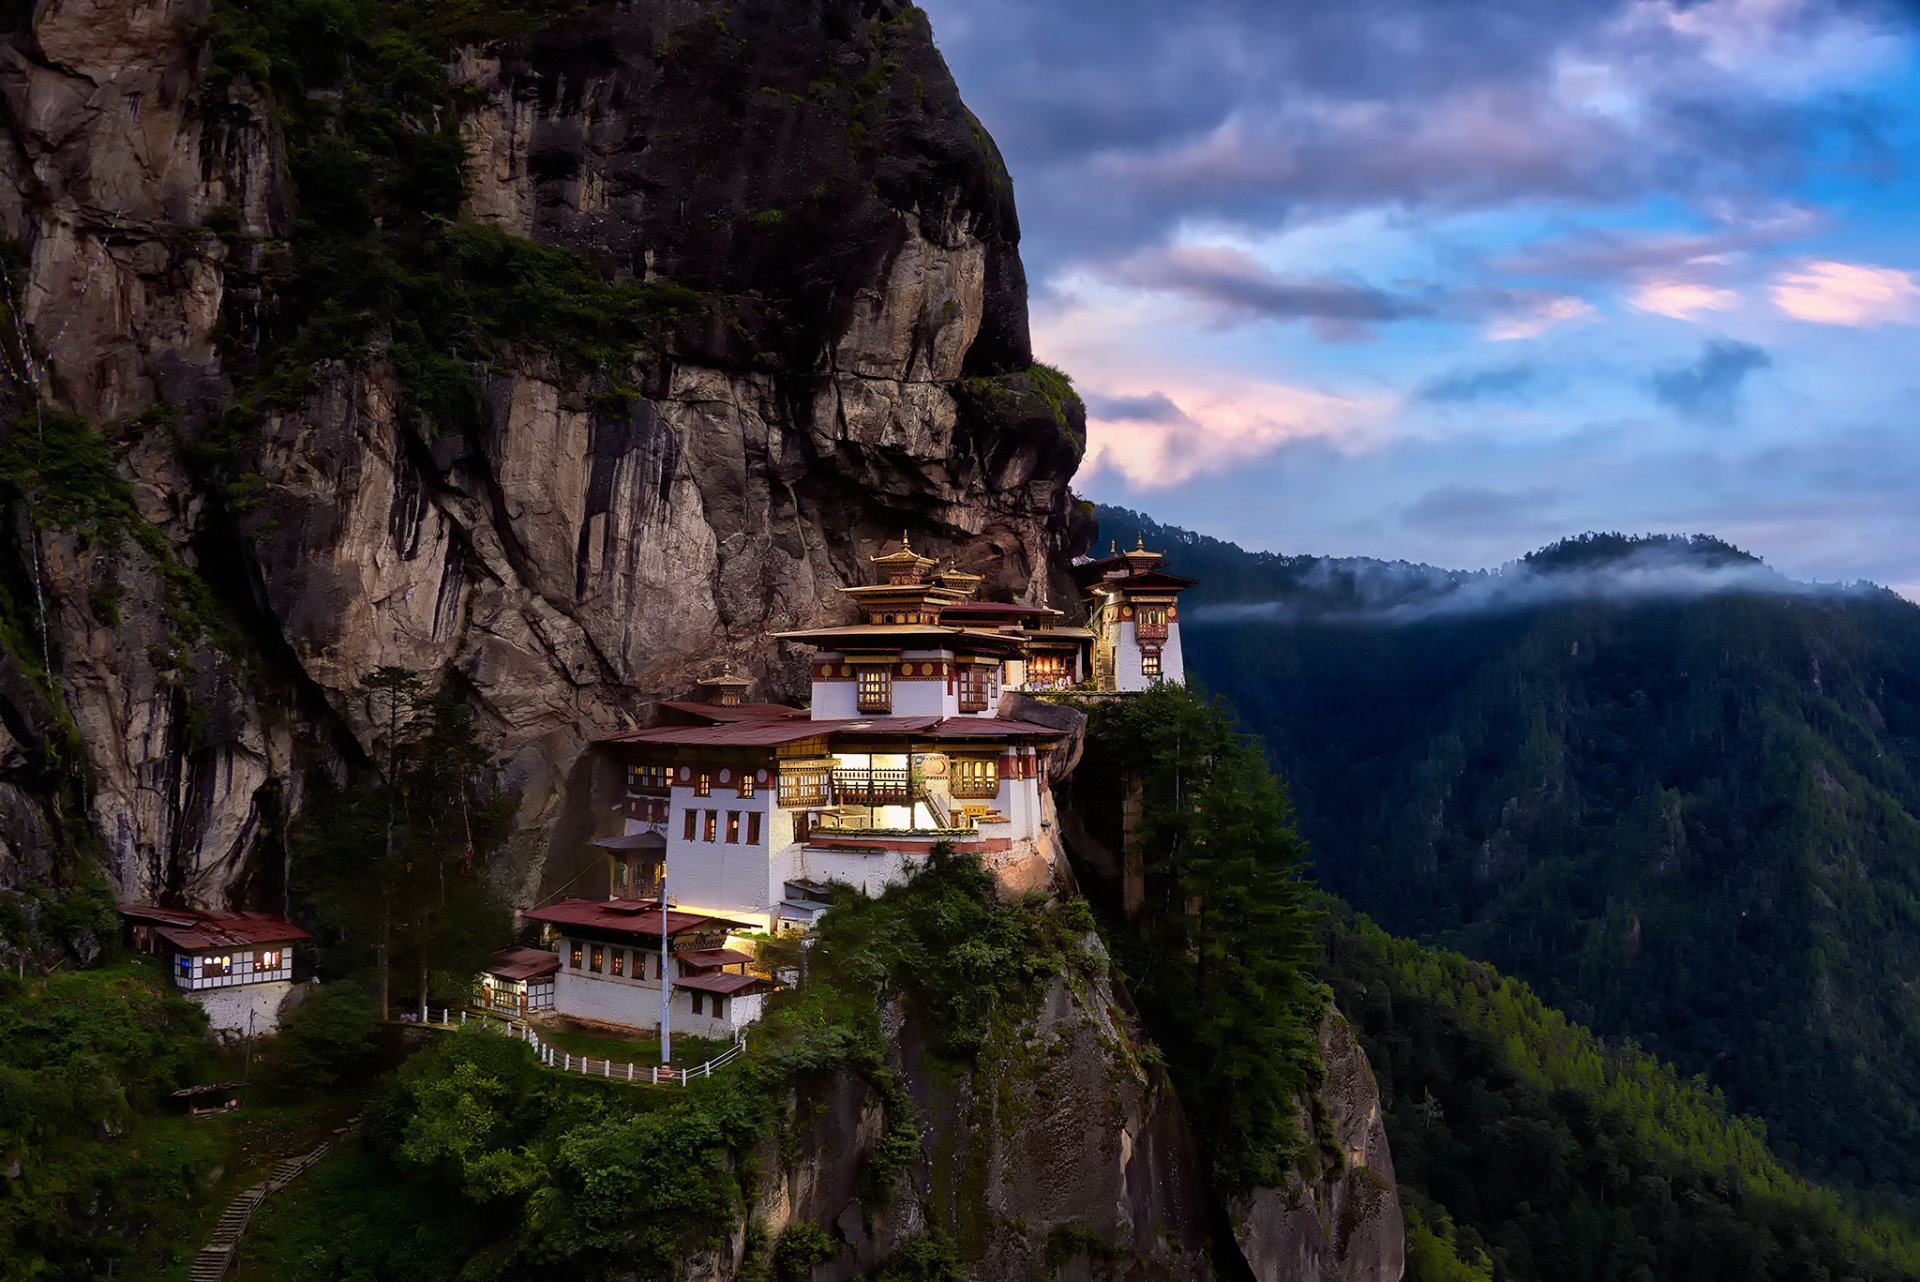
pixel 1682 299
pixel 1159 438
pixel 1857 294
pixel 1538 317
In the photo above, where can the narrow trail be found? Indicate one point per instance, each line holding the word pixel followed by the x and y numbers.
pixel 211 1262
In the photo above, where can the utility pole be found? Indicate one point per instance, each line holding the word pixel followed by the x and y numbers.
pixel 666 985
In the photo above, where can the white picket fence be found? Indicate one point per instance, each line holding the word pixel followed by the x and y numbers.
pixel 565 1062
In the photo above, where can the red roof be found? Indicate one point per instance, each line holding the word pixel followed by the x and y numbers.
pixel 631 917
pixel 718 983
pixel 994 609
pixel 523 963
pixel 195 931
pixel 715 957
pixel 988 728
pixel 768 734
pixel 1150 580
pixel 734 734
pixel 718 712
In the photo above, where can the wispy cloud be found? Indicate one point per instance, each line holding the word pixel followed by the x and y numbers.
pixel 1362 592
pixel 1856 294
pixel 1682 299
pixel 1236 286
pixel 1538 315
pixel 1708 387
pixel 1156 440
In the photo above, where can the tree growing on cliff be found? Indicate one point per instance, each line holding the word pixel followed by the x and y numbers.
pixel 397 863
pixel 1218 958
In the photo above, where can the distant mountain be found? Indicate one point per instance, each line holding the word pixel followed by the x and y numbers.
pixel 1676 791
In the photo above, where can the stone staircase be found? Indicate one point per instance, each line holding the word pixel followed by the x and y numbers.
pixel 211 1262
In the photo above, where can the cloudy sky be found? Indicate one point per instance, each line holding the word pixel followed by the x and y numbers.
pixel 1446 281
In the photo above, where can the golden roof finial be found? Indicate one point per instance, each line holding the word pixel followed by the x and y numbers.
pixel 1140 543
pixel 1113 547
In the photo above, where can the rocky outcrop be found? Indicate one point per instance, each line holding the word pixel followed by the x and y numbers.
pixel 1058 1153
pixel 854 369
pixel 1344 1225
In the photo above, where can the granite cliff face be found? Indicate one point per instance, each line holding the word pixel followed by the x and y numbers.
pixel 853 365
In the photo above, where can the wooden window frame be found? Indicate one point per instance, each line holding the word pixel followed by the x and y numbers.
pixel 617 964
pixel 710 829
pixel 873 688
pixel 596 960
pixel 733 827
pixel 703 783
pixel 753 827
pixel 574 953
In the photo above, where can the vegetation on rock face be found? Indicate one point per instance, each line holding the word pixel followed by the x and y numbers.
pixel 1692 823
pixel 1215 954
pixel 601 1180
pixel 93 1178
pixel 1532 1147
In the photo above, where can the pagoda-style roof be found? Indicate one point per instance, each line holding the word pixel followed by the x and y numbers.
pixel 193 930
pixel 972 611
pixel 894 637
pixel 772 734
pixel 713 713
pixel 1149 581
pixel 726 679
pixel 905 559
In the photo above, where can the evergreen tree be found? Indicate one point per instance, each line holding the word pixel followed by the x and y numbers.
pixel 1222 927
pixel 398 864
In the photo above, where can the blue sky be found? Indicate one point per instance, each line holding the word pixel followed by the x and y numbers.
pixel 1445 282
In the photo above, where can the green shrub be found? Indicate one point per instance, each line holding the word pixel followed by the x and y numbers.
pixel 801 1245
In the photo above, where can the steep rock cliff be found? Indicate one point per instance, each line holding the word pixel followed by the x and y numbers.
pixel 1062 1152
pixel 846 360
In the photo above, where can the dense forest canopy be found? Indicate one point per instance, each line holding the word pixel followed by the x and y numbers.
pixel 1691 821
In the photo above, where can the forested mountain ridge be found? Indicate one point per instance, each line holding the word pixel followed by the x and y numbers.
pixel 1688 816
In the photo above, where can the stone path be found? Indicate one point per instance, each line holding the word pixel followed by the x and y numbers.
pixel 210 1264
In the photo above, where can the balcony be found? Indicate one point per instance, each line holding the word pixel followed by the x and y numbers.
pixel 974 787
pixel 870 786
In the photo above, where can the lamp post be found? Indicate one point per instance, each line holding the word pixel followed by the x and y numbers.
pixel 666 989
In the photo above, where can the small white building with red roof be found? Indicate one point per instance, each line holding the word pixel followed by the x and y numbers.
pixel 237 966
pixel 610 954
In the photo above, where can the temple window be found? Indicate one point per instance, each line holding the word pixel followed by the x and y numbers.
pixel 692 819
pixel 267 959
pixel 596 959
pixel 733 827
pixel 712 829
pixel 1150 663
pixel 975 687
pixel 619 962
pixel 703 784
pixel 875 689
pixel 746 783
pixel 753 828
pixel 975 778
pixel 573 957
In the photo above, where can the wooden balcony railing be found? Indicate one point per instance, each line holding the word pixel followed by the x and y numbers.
pixel 864 786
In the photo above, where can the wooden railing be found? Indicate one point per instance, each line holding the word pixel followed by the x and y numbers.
pixel 866 786
pixel 606 1069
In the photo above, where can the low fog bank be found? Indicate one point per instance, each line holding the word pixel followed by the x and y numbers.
pixel 1358 591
